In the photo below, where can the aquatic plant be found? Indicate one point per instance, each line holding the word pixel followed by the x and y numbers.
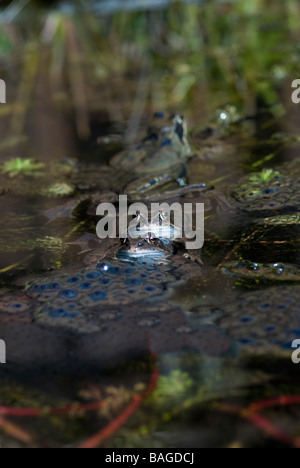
pixel 265 176
pixel 171 386
pixel 59 189
pixel 19 166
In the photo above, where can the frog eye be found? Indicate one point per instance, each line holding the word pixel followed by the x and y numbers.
pixel 137 215
pixel 163 215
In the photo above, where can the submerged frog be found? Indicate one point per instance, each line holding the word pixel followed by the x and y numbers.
pixel 155 162
pixel 165 145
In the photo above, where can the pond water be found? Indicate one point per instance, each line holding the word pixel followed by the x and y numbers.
pixel 146 344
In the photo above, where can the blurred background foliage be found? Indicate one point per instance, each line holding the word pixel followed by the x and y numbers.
pixel 191 57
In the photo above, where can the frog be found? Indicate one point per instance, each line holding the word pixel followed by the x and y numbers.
pixel 150 236
pixel 156 161
pixel 164 146
pixel 151 168
pixel 157 237
pixel 145 247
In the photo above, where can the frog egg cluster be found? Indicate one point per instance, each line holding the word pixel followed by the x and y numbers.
pixel 264 319
pixel 15 305
pixel 70 297
pixel 272 271
pixel 286 220
pixel 277 192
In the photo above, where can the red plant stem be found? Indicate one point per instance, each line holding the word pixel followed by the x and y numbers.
pixel 119 421
pixel 253 416
pixel 16 432
pixel 270 403
pixel 267 426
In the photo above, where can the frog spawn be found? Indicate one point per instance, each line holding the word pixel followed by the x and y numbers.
pixel 269 190
pixel 67 299
pixel 101 316
pixel 264 321
pixel 266 271
pixel 285 220
pixel 10 307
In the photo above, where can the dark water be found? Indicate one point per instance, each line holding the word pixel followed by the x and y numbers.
pixel 84 327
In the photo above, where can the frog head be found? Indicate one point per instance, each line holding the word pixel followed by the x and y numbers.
pixel 156 225
pixel 168 125
pixel 145 238
pixel 164 146
pixel 145 247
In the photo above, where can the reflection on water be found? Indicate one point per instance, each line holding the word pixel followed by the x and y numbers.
pixel 195 341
